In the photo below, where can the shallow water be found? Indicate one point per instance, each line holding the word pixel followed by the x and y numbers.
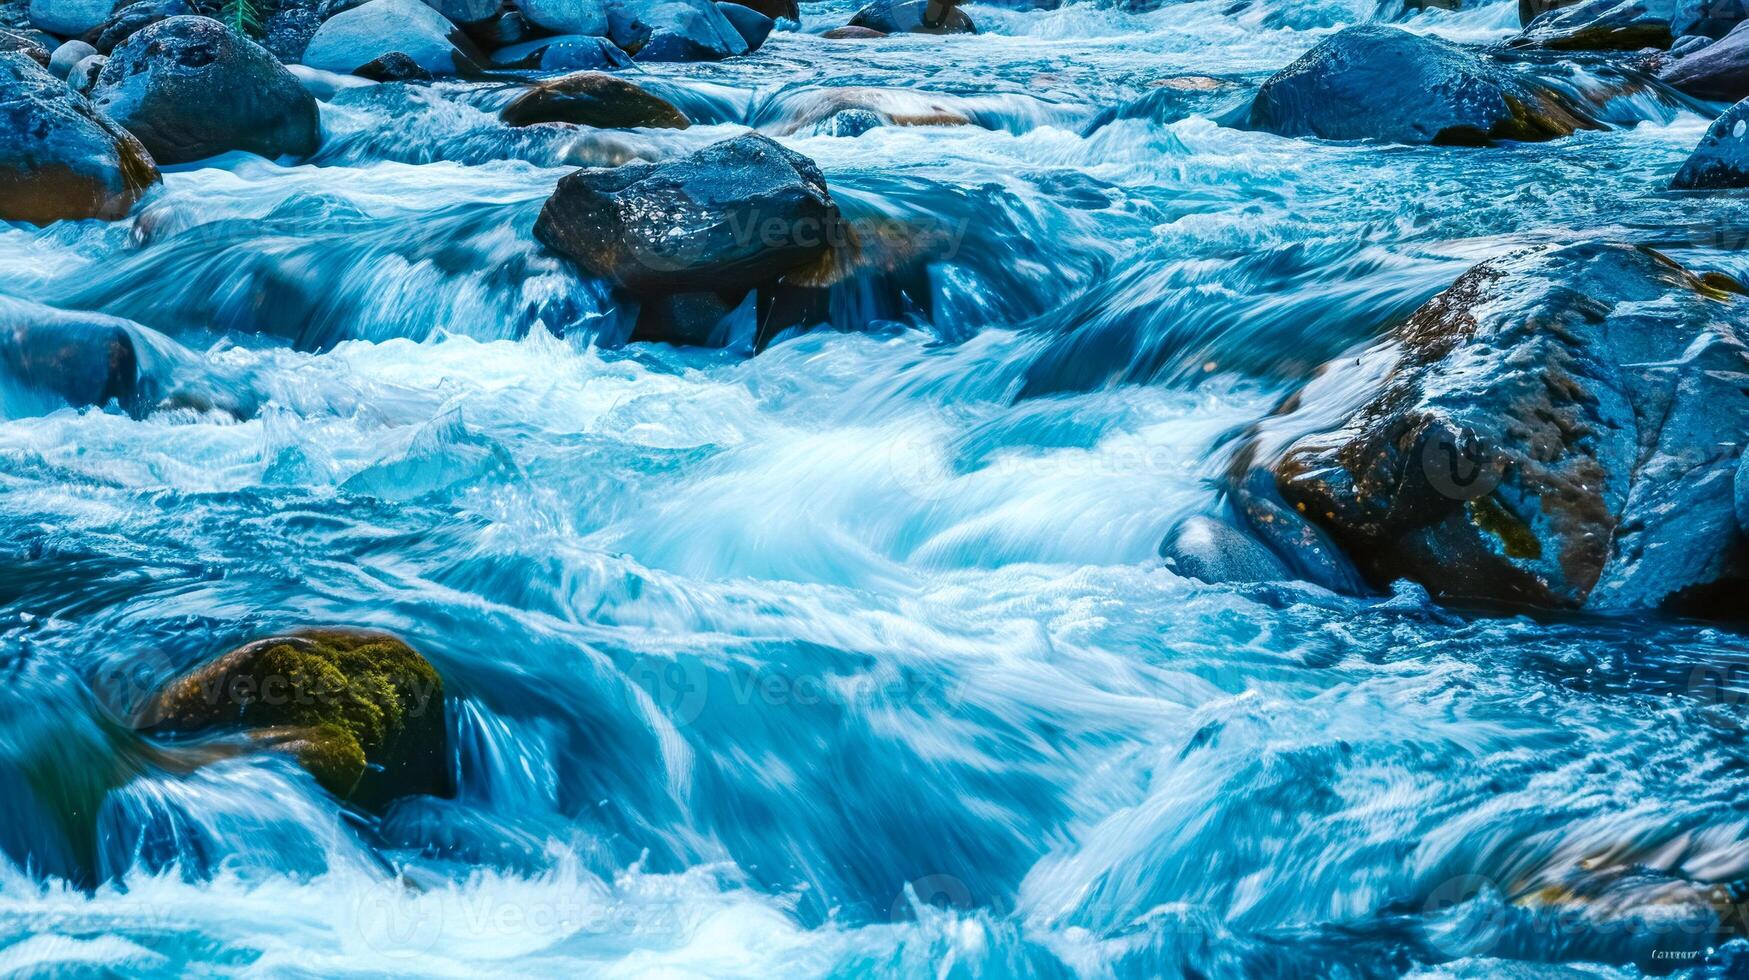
pixel 853 657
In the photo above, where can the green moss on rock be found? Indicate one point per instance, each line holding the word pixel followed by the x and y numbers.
pixel 361 711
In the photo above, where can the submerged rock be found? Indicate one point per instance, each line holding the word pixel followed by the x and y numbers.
pixel 361 711
pixel 1560 428
pixel 914 17
pixel 849 33
pixel 1382 83
pixel 593 99
pixel 83 358
pixel 60 158
pixel 1722 159
pixel 191 88
pixel 1211 550
pixel 1718 71
pixel 732 215
pixel 356 37
pixel 673 30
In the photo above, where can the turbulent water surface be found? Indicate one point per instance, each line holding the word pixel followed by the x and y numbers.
pixel 855 656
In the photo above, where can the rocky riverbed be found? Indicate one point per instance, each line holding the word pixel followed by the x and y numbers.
pixel 544 487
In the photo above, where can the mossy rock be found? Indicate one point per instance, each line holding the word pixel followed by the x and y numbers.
pixel 362 711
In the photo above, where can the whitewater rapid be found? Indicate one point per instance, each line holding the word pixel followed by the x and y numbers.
pixel 854 657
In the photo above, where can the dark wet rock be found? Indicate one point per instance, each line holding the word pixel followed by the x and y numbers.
pixel 83 77
pixel 83 358
pixel 1382 83
pixel 849 33
pixel 776 9
pixel 586 17
pixel 60 158
pixel 734 216
pixel 361 711
pixel 68 18
pixel 191 88
pixel 1560 428
pixel 1722 159
pixel 1688 44
pixel 1212 550
pixel 67 55
pixel 570 53
pixel 753 26
pixel 1719 71
pixel 914 17
pixel 1602 25
pixel 361 35
pixel 124 23
pixel 393 67
pixel 468 13
pixel 673 30
pixel 287 33
pixel 14 43
pixel 593 99
pixel 510 28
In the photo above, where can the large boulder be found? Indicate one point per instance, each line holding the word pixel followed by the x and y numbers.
pixel 690 237
pixel 1561 428
pixel 191 87
pixel 1721 161
pixel 776 9
pixel 1718 71
pixel 69 18
pixel 356 37
pixel 81 358
pixel 569 52
pixel 468 13
pixel 586 17
pixel 60 157
pixel 1382 83
pixel 673 30
pixel 288 32
pixel 593 99
pixel 914 17
pixel 361 711
pixel 127 21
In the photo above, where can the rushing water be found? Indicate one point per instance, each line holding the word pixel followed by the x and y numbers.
pixel 852 657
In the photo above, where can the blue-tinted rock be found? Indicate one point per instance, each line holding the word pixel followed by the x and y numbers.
pixel 60 158
pixel 361 35
pixel 1211 550
pixel 288 32
pixel 753 26
pixel 673 30
pixel 1560 428
pixel 12 42
pixel 83 77
pixel 191 88
pixel 1602 25
pixel 81 358
pixel 1382 83
pixel 1718 71
pixel 67 55
pixel 471 13
pixel 68 18
pixel 914 17
pixel 730 217
pixel 586 17
pixel 131 18
pixel 573 53
pixel 1722 158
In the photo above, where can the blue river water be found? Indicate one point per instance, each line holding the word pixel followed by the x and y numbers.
pixel 854 657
